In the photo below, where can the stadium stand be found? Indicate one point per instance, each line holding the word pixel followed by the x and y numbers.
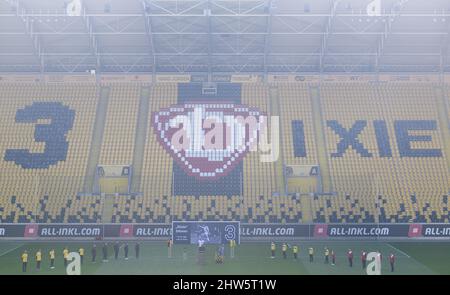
pixel 41 172
pixel 377 173
pixel 157 172
pixel 258 177
pixel 120 128
pixel 296 111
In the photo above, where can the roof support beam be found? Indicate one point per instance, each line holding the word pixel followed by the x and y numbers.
pixel 445 50
pixel 201 33
pixel 231 55
pixel 168 12
pixel 381 42
pixel 242 14
pixel 149 32
pixel 268 36
pixel 219 36
pixel 31 32
pixel 210 46
pixel 93 42
pixel 326 35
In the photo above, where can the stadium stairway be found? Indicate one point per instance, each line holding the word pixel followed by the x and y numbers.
pixel 279 170
pixel 319 135
pixel 97 137
pixel 108 208
pixel 281 182
pixel 307 214
pixel 444 121
pixel 140 138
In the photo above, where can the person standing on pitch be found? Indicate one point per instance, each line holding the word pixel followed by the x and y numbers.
pixel 38 259
pixel 333 257
pixel 24 258
pixel 311 254
pixel 350 257
pixel 105 252
pixel 116 250
pixel 125 250
pixel 380 257
pixel 364 259
pixel 169 248
pixel 327 255
pixel 65 256
pixel 272 249
pixel 52 258
pixel 222 252
pixel 136 250
pixel 232 246
pixel 94 253
pixel 392 261
pixel 81 252
pixel 295 251
pixel 201 252
pixel 284 250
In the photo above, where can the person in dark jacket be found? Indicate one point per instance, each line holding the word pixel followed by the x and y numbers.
pixel 116 250
pixel 94 252
pixel 105 252
pixel 350 257
pixel 392 261
pixel 137 250
pixel 125 249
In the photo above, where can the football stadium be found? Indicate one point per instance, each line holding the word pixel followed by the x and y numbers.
pixel 220 137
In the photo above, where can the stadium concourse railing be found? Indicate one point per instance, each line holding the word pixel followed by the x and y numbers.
pixel 254 232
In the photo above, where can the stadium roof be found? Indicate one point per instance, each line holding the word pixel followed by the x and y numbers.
pixel 229 36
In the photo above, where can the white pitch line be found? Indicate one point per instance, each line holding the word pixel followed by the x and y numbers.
pixel 10 250
pixel 396 249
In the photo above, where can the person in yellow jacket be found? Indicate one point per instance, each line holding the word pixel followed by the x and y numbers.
pixel 52 258
pixel 65 256
pixel 38 259
pixel 24 258
pixel 272 249
pixel 295 251
pixel 232 246
pixel 232 243
pixel 81 252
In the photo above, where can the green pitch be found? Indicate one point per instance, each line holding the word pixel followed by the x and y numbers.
pixel 250 258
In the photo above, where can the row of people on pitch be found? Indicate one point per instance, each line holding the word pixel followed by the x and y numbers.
pixel 364 254
pixel 52 255
pixel 330 254
pixel 295 251
pixel 116 248
pixel 81 252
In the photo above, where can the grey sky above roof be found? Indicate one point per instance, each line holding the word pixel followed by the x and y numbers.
pixel 237 36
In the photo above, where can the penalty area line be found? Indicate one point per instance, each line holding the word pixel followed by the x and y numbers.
pixel 397 249
pixel 10 250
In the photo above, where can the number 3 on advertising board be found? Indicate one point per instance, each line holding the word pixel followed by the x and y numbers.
pixel 230 232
